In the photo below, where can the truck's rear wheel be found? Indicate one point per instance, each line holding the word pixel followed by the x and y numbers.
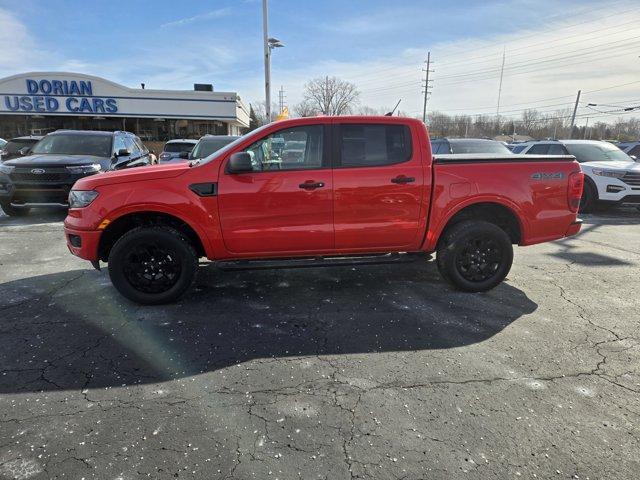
pixel 589 197
pixel 475 255
pixel 14 211
pixel 152 265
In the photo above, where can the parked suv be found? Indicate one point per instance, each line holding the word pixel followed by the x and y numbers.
pixel 46 175
pixel 208 145
pixel 542 147
pixel 173 149
pixel 459 146
pixel 18 146
pixel 611 176
pixel 631 148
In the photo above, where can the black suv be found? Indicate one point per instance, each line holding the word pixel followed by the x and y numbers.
pixel 45 176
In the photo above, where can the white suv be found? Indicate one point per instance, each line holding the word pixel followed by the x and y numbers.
pixel 611 176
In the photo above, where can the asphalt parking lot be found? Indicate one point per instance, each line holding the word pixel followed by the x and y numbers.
pixel 377 372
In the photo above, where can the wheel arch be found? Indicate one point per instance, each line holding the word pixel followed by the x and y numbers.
pixel 127 221
pixel 497 213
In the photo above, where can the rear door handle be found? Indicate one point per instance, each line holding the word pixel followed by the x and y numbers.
pixel 310 185
pixel 403 179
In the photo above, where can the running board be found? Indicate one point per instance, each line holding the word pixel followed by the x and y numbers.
pixel 305 262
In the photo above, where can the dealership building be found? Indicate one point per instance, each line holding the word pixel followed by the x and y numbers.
pixel 37 103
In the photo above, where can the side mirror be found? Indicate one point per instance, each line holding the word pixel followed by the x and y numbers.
pixel 635 158
pixel 184 155
pixel 24 150
pixel 123 152
pixel 240 162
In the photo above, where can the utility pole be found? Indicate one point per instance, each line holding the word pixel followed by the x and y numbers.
pixel 267 59
pixel 427 87
pixel 573 117
pixel 586 127
pixel 500 86
pixel 281 98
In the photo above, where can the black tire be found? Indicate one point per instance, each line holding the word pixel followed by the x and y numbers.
pixel 589 198
pixel 14 211
pixel 474 255
pixel 166 279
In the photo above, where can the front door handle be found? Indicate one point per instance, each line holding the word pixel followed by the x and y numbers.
pixel 403 179
pixel 311 185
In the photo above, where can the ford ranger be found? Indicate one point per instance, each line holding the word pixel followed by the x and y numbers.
pixel 356 189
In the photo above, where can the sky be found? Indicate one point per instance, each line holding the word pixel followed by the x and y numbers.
pixel 551 48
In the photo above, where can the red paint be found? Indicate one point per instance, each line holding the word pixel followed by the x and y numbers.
pixel 357 209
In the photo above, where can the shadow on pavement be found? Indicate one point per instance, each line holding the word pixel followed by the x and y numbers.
pixel 72 330
pixel 592 223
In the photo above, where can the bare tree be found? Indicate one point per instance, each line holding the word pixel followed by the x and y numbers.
pixel 305 109
pixel 331 95
pixel 260 113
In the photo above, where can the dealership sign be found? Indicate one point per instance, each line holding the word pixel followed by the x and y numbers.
pixel 43 94
pixel 47 96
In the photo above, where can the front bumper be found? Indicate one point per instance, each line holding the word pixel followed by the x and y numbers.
pixel 21 187
pixel 83 243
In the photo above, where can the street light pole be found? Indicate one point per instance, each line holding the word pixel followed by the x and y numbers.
pixel 267 59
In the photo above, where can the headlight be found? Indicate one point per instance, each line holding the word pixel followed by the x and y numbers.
pixel 81 198
pixel 6 169
pixel 80 169
pixel 608 173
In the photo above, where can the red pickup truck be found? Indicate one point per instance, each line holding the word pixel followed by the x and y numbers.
pixel 321 190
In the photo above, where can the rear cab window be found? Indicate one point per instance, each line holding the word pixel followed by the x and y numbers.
pixel 371 145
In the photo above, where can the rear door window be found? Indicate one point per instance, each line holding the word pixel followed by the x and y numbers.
pixel 557 149
pixel 539 149
pixel 372 145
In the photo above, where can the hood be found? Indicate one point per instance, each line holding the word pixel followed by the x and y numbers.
pixel 615 165
pixel 44 160
pixel 134 174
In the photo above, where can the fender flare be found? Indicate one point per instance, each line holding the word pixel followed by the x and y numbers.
pixel 145 208
pixel 431 241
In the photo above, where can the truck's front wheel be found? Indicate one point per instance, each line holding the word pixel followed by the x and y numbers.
pixel 475 255
pixel 152 265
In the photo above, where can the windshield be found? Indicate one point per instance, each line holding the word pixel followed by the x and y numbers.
pixel 176 147
pixel 207 146
pixel 597 152
pixel 518 148
pixel 71 144
pixel 479 146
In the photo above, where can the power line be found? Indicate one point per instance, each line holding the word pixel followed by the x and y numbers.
pixel 467 61
pixel 510 74
pixel 554 28
pixel 549 58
